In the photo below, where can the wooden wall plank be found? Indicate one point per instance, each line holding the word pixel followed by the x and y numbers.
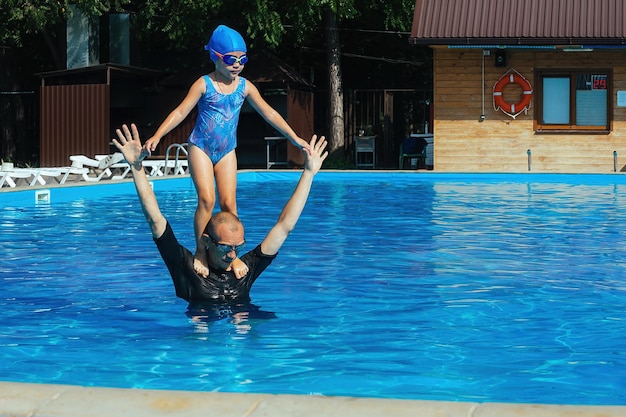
pixel 74 120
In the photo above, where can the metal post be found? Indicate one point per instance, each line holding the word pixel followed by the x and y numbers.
pixel 614 161
pixel 529 159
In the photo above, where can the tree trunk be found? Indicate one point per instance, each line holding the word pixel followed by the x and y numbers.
pixel 335 89
pixel 8 84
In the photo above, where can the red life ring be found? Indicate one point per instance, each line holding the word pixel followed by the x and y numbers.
pixel 512 109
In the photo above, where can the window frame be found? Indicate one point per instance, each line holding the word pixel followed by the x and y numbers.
pixel 541 128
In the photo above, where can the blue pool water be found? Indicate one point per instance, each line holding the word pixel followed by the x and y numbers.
pixel 419 286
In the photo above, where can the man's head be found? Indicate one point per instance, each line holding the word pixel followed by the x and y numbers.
pixel 223 41
pixel 223 239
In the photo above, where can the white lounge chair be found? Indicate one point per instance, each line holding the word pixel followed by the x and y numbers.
pixel 41 176
pixel 158 168
pixel 67 171
pixel 12 177
pixel 106 161
pixel 31 175
pixel 179 167
pixel 116 163
pixel 94 173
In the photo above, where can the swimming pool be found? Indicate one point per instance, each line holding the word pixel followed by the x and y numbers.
pixel 479 287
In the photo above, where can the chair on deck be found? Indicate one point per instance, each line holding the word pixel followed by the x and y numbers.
pixel 116 163
pixel 58 174
pixel 95 173
pixel 13 176
pixel 159 167
pixel 413 148
pixel 41 176
pixel 365 151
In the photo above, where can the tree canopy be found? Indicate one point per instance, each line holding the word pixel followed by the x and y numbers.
pixel 177 24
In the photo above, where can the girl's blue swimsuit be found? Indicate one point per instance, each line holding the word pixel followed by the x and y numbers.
pixel 215 131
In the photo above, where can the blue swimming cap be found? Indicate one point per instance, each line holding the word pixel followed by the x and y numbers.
pixel 225 40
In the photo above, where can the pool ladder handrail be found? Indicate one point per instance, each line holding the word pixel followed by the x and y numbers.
pixel 179 147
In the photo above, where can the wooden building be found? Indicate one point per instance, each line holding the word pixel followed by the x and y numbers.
pixel 526 85
pixel 80 108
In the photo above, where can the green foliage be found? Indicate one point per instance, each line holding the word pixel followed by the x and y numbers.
pixel 264 22
pixel 398 14
pixel 179 23
pixel 176 24
pixel 22 18
pixel 338 163
pixel 26 17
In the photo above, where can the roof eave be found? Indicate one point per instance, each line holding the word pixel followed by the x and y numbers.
pixel 517 41
pixel 102 67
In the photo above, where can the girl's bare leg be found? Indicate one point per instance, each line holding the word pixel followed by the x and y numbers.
pixel 202 174
pixel 226 180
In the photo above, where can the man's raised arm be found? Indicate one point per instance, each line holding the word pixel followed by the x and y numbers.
pixel 292 210
pixel 130 146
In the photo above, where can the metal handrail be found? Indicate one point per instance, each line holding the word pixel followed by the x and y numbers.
pixel 179 147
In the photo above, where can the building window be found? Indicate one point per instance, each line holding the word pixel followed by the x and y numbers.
pixel 572 101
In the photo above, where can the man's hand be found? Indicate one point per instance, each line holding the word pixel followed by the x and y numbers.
pixel 288 218
pixel 315 154
pixel 130 145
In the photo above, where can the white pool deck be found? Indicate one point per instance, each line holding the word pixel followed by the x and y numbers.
pixel 45 400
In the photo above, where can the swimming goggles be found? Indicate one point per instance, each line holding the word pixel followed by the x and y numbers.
pixel 232 59
pixel 223 247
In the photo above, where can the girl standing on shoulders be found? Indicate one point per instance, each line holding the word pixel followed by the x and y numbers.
pixel 212 159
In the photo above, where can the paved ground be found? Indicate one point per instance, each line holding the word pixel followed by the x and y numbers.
pixel 33 400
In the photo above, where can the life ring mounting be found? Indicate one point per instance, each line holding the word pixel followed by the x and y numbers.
pixel 512 109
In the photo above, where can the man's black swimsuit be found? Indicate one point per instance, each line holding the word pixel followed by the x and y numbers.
pixel 219 286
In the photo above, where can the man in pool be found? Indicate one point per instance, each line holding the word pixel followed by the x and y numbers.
pixel 223 235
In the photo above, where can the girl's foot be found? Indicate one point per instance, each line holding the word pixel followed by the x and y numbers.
pixel 200 264
pixel 239 268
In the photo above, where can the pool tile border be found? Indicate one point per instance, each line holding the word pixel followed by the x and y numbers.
pixel 49 400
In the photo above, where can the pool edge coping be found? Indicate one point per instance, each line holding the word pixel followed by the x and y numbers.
pixel 52 400
pixel 81 183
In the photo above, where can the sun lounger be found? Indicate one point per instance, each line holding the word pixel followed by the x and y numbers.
pixel 95 173
pixel 41 176
pixel 158 168
pixel 67 171
pixel 115 167
pixel 12 177
pixel 31 175
pixel 116 163
pixel 179 167
pixel 106 161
